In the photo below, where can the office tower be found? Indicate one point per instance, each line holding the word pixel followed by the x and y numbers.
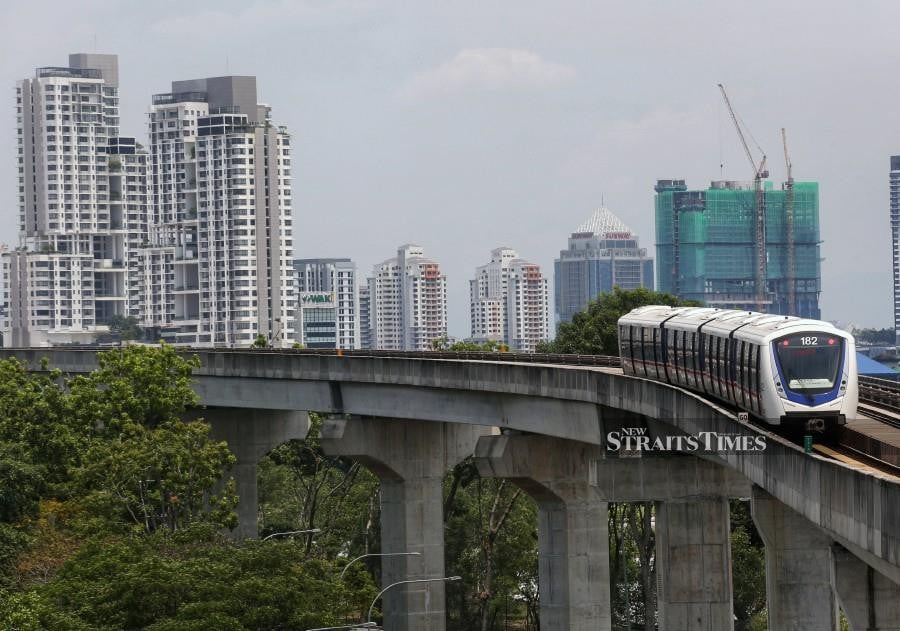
pixel 408 301
pixel 67 278
pixel 509 302
pixel 895 239
pixel 706 245
pixel 218 257
pixel 328 309
pixel 603 253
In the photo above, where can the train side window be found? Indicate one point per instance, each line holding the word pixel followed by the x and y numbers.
pixel 737 344
pixel 729 366
pixel 657 344
pixel 695 352
pixel 744 372
pixel 754 377
pixel 665 347
pixel 720 364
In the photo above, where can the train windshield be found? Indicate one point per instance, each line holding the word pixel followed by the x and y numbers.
pixel 809 361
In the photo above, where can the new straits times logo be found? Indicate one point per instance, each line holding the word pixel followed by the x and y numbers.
pixel 636 439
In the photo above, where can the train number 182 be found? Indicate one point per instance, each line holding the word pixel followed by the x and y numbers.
pixel 809 341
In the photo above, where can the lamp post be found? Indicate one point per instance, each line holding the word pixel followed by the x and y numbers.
pixel 378 554
pixel 358 625
pixel 418 580
pixel 293 532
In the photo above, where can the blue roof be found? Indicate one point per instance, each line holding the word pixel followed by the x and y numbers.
pixel 867 366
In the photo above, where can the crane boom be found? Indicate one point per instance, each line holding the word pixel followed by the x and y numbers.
pixel 737 126
pixel 791 275
pixel 759 172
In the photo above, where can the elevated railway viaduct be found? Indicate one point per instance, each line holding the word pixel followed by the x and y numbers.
pixel 831 529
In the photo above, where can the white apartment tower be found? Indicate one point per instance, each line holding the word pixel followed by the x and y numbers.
pixel 510 302
pixel 895 239
pixel 217 261
pixel 192 237
pixel 67 278
pixel 327 314
pixel 408 301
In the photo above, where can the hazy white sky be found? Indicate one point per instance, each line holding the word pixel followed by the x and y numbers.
pixel 463 126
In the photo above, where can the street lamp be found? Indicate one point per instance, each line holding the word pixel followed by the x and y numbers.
pixel 378 554
pixel 358 625
pixel 418 580
pixel 293 532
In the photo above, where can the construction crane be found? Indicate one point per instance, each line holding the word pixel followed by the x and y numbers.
pixel 791 273
pixel 759 174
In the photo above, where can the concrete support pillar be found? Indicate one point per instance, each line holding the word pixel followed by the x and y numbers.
pixel 251 434
pixel 799 568
pixel 870 600
pixel 573 540
pixel 410 458
pixel 693 552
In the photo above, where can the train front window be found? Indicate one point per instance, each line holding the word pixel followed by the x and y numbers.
pixel 810 361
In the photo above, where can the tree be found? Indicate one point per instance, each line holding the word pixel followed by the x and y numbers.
pixel 159 477
pixel 192 580
pixel 300 488
pixel 109 445
pixel 125 326
pixel 875 336
pixel 260 341
pixel 491 540
pixel 488 346
pixel 594 331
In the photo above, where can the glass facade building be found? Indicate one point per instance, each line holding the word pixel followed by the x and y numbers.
pixel 603 252
pixel 706 245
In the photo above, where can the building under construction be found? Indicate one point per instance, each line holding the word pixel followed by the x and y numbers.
pixel 706 245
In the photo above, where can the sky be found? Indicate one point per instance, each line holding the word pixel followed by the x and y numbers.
pixel 463 126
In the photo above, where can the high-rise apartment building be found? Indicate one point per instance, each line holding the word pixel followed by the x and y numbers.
pixel 706 245
pixel 895 239
pixel 328 303
pixel 67 278
pixel 192 237
pixel 408 301
pixel 365 316
pixel 509 302
pixel 603 253
pixel 218 256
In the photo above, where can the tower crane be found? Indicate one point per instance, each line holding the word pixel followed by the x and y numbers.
pixel 791 274
pixel 759 174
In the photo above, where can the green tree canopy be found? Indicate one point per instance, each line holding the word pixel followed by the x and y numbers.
pixel 594 331
pixel 875 336
pixel 126 327
pixel 488 346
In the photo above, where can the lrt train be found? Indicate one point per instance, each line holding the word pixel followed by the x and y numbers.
pixel 788 371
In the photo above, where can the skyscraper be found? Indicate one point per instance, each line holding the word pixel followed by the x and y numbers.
pixel 328 303
pixel 509 302
pixel 895 239
pixel 706 245
pixel 67 278
pixel 192 237
pixel 408 301
pixel 219 248
pixel 603 253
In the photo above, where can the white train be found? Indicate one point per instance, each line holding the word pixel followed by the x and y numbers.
pixel 784 370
